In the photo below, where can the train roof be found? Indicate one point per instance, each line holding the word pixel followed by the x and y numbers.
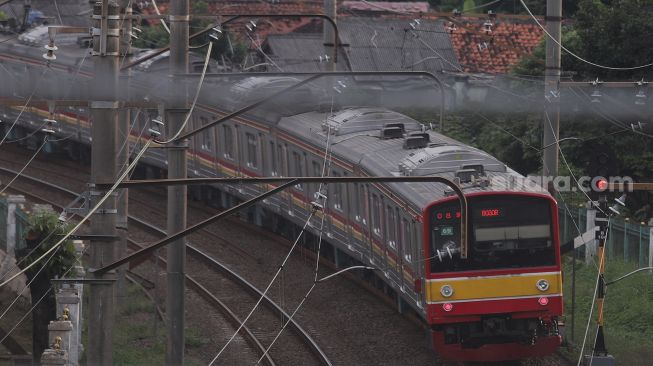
pixel 355 135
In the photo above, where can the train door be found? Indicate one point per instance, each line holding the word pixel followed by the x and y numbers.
pixel 298 196
pixel 392 248
pixel 338 217
pixel 376 225
pixel 286 195
pixel 366 221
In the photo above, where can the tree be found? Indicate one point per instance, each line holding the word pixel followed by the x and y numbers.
pixel 614 33
pixel 45 231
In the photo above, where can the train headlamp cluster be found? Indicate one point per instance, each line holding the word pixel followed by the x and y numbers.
pixel 542 285
pixel 446 290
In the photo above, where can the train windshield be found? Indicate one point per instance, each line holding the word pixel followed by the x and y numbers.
pixel 505 232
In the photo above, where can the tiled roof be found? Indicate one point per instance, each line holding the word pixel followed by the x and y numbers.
pixel 493 52
pixel 468 47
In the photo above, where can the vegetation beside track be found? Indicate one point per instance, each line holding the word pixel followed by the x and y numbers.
pixel 628 316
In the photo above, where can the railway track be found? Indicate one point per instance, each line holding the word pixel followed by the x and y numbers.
pixel 214 295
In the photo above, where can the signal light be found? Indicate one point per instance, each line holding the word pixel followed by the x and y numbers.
pixel 447 307
pixel 602 184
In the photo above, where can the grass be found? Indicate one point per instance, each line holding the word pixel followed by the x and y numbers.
pixel 628 311
pixel 135 339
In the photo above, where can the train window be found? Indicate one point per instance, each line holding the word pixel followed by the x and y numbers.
pixel 357 201
pixel 365 204
pixel 376 214
pixel 252 150
pixel 317 172
pixel 505 232
pixel 297 168
pixel 228 142
pixel 282 154
pixel 406 241
pixel 337 193
pixel 390 227
pixel 273 160
pixel 206 143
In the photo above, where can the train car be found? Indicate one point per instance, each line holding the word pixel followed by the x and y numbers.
pixel 502 302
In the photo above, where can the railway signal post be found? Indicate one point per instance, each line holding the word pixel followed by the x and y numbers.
pixel 600 356
pixel 104 113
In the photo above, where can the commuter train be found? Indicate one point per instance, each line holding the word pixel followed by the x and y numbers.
pixel 502 302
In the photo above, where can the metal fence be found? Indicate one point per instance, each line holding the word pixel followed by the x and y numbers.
pixel 627 241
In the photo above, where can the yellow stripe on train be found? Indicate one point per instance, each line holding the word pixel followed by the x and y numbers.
pixel 476 288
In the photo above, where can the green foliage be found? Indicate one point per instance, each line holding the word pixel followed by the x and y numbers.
pixel 44 232
pixel 152 37
pixel 628 315
pixel 3 16
pixel 613 33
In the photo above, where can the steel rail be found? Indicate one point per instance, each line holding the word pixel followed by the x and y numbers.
pixel 251 289
pixel 199 288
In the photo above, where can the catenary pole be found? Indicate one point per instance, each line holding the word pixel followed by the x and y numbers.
pixel 551 89
pixel 104 114
pixel 177 166
pixel 124 119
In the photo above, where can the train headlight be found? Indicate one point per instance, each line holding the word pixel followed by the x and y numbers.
pixel 446 291
pixel 542 285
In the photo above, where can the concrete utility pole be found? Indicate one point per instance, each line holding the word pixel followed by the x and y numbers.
pixel 104 114
pixel 551 88
pixel 124 119
pixel 176 113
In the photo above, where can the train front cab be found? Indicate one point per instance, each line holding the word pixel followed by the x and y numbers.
pixel 503 301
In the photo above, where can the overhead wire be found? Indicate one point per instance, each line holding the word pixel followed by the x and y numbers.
pixel 45 141
pixel 326 166
pixel 23 108
pixel 605 115
pixel 85 218
pixel 267 288
pixel 39 300
pixel 163 22
pixel 197 94
pixel 27 285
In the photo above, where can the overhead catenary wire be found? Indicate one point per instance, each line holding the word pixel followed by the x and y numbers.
pixel 283 263
pixel 163 22
pixel 39 300
pixel 325 169
pixel 27 285
pixel 85 218
pixel 606 116
pixel 575 55
pixel 23 108
pixel 45 141
pixel 197 94
pixel 564 160
pixel 267 288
